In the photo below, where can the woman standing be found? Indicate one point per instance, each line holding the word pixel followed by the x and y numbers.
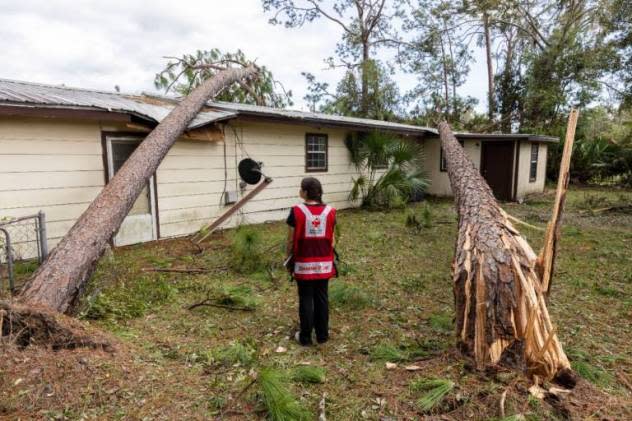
pixel 310 245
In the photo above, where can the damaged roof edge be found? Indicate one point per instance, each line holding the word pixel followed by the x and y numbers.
pixel 155 108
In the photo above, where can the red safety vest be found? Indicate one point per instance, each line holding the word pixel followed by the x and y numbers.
pixel 313 242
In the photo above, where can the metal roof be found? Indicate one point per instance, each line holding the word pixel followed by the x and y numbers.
pixel 34 94
pixel 313 117
pixel 156 107
pixel 508 136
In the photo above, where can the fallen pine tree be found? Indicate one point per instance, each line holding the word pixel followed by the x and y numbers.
pixel 501 311
pixel 34 315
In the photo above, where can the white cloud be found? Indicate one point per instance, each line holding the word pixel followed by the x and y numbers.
pixel 100 44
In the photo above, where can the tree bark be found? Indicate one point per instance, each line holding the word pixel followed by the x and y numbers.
pixel 59 281
pixel 501 314
pixel 490 68
pixel 364 102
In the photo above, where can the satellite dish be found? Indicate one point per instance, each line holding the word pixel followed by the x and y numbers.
pixel 250 171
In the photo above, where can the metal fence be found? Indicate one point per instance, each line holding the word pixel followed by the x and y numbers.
pixel 21 239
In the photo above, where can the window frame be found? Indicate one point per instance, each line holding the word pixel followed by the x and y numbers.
pixel 443 165
pixel 317 169
pixel 533 165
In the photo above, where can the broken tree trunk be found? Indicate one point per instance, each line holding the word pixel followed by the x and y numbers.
pixel 501 314
pixel 59 281
pixel 546 259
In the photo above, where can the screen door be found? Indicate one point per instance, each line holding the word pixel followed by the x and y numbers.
pixel 140 223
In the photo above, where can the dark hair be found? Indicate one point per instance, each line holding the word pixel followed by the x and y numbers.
pixel 313 189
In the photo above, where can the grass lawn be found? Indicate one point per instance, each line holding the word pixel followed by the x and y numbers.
pixel 392 309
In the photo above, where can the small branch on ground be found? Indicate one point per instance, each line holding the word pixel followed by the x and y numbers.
pixel 210 302
pixel 176 270
pixel 321 408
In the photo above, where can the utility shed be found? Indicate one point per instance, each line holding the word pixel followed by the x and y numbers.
pixel 514 165
pixel 59 146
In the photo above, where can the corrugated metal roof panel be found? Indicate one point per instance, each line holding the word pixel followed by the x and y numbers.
pixel 156 108
pixel 60 96
pixel 258 110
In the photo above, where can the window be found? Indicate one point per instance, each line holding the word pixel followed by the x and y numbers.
pixel 443 166
pixel 315 152
pixel 533 163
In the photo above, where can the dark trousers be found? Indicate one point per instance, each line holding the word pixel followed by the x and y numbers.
pixel 313 310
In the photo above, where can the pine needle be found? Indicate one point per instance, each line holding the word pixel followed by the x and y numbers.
pixel 388 352
pixel 435 391
pixel 309 374
pixel 278 400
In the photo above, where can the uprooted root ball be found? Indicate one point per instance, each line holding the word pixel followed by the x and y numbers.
pixel 35 326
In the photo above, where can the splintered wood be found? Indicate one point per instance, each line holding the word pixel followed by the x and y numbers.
pixel 501 312
pixel 546 259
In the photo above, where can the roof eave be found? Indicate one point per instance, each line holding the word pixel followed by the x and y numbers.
pixel 331 123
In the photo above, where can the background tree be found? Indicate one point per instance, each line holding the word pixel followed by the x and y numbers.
pixel 184 74
pixel 383 98
pixel 439 54
pixel 365 25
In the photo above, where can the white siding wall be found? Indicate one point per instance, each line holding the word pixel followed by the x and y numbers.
pixel 524 186
pixel 191 178
pixel 51 165
pixel 439 181
pixel 57 166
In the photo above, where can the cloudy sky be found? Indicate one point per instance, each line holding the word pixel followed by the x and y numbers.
pixel 100 44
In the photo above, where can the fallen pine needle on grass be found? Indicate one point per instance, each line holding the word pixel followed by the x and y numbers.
pixel 435 390
pixel 278 400
pixel 309 374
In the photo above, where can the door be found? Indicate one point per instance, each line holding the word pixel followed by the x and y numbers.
pixel 497 161
pixel 140 223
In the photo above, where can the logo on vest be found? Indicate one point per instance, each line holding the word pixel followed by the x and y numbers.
pixel 316 227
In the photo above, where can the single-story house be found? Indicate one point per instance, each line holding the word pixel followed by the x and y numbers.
pixel 59 146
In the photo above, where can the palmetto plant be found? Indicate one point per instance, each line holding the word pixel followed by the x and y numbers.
pixel 390 167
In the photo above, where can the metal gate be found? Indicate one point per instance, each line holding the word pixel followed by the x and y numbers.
pixel 21 239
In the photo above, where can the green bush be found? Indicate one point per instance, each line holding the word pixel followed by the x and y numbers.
pixel 247 250
pixel 390 167
pixel 421 221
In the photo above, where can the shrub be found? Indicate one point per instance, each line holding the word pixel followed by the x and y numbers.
pixel 418 222
pixel 278 400
pixel 391 170
pixel 246 247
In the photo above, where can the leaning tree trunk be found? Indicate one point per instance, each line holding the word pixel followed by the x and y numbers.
pixel 501 314
pixel 58 282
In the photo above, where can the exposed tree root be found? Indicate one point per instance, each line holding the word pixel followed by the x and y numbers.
pixel 27 326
